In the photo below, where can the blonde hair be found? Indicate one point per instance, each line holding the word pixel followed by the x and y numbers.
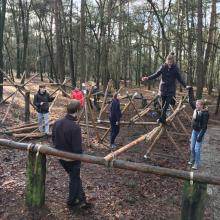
pixel 170 57
pixel 202 102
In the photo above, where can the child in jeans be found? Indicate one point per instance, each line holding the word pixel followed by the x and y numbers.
pixel 199 127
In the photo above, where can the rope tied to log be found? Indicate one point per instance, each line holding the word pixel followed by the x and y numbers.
pixel 38 147
pixel 191 178
pixel 110 164
pixel 29 147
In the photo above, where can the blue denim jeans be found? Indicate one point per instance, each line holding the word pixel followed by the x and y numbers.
pixel 43 122
pixel 195 147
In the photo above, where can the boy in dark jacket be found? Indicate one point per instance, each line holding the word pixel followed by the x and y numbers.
pixel 66 136
pixel 114 117
pixel 41 101
pixel 199 127
pixel 169 73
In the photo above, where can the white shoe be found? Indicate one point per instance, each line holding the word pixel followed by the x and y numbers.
pixel 195 166
pixel 190 162
pixel 145 156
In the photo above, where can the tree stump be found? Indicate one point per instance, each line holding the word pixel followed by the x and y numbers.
pixel 36 175
pixel 193 203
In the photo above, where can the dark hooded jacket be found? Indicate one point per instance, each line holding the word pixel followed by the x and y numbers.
pixel 45 98
pixel 168 79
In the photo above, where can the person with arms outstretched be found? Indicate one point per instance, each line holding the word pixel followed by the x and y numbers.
pixel 169 73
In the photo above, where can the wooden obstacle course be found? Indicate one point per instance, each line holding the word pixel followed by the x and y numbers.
pixel 194 191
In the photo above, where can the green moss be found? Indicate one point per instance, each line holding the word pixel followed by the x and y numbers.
pixel 35 185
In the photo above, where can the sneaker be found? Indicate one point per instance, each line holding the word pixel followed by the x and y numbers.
pixel 145 156
pixel 161 121
pixel 85 205
pixel 113 146
pixel 190 162
pixel 195 166
pixel 73 203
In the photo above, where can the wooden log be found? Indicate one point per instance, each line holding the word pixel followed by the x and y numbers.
pixel 23 77
pixel 154 142
pixel 132 103
pixel 142 113
pixel 187 116
pixel 4 100
pixel 35 184
pixel 182 126
pixel 87 121
pixel 91 126
pixel 104 101
pixel 8 78
pixel 25 129
pixel 180 123
pixel 174 126
pixel 50 123
pixel 29 135
pixel 148 137
pixel 121 164
pixel 22 126
pixel 131 123
pixel 9 107
pixel 176 146
pixel 30 79
pixel 93 121
pixel 81 114
pixel 27 106
pixel 194 201
pixel 54 101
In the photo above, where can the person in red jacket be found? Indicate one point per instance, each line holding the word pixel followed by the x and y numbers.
pixel 78 95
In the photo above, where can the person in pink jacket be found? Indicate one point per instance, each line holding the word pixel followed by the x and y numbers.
pixel 78 95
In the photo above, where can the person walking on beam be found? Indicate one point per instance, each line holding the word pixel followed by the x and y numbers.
pixel 169 72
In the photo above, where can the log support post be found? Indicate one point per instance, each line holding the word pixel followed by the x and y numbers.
pixel 194 199
pixel 36 175
pixel 27 106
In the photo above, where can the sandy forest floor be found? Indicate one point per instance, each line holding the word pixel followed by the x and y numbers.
pixel 114 193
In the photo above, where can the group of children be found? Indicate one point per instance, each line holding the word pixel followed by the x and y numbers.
pixel 169 73
pixel 66 132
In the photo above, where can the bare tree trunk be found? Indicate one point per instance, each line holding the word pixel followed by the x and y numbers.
pixel 2 25
pixel 59 44
pixel 199 69
pixel 25 11
pixel 212 28
pixel 189 41
pixel 82 43
pixel 70 47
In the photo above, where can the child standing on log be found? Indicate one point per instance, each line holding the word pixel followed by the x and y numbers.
pixel 169 74
pixel 41 101
pixel 199 127
pixel 114 117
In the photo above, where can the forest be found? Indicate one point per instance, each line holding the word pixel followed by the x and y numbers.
pixel 99 40
pixel 109 51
